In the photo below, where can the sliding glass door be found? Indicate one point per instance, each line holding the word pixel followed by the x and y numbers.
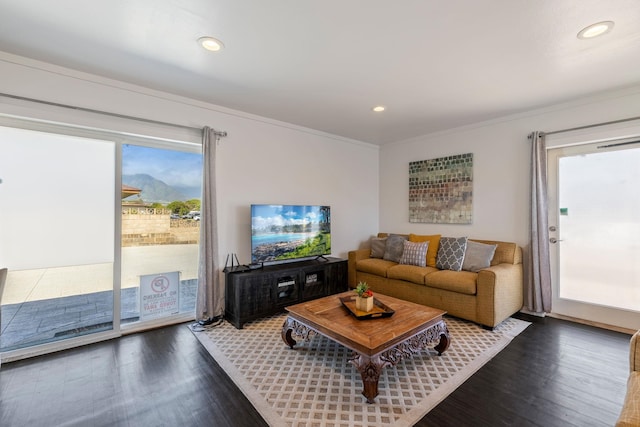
pixel 161 190
pixel 57 221
pixel 99 234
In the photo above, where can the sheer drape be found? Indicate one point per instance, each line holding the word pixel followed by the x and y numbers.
pixel 210 297
pixel 537 293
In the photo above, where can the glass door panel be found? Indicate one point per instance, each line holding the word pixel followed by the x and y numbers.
pixel 56 236
pixel 594 204
pixel 160 232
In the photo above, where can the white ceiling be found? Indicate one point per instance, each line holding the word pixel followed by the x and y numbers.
pixel 435 64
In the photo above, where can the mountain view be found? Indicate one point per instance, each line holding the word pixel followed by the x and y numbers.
pixel 154 190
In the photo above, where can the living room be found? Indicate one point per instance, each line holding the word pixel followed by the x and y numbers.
pixel 265 160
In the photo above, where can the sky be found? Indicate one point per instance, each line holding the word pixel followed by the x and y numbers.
pixel 266 215
pixel 175 168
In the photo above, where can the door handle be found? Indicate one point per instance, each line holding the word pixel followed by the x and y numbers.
pixel 554 240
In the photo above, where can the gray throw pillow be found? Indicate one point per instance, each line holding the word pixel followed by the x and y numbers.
pixel 478 256
pixel 393 249
pixel 378 245
pixel 451 253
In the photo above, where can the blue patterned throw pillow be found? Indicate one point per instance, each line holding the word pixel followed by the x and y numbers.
pixel 451 253
pixel 415 253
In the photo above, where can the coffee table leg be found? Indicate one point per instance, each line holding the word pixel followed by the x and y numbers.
pixel 443 344
pixel 287 329
pixel 286 337
pixel 370 370
pixel 292 326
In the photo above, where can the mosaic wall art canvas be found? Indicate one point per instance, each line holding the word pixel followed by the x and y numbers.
pixel 441 190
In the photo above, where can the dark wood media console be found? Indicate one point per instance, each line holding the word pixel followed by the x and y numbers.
pixel 251 294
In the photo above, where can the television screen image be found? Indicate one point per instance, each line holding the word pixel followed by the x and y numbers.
pixel 287 232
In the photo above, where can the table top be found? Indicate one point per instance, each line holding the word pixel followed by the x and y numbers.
pixel 367 336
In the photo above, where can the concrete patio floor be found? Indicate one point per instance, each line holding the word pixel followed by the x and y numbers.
pixel 45 305
pixel 46 283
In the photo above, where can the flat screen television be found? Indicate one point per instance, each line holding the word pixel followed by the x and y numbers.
pixel 289 232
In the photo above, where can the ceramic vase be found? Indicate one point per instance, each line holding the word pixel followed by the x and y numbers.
pixel 364 304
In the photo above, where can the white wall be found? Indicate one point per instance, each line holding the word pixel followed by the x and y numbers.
pixel 501 166
pixel 261 160
pixel 264 161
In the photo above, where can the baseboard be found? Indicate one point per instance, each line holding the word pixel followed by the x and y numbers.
pixel 532 313
pixel 592 323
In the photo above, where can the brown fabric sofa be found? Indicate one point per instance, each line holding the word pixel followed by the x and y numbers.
pixel 486 297
pixel 630 415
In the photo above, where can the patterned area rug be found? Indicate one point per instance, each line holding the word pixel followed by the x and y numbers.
pixel 314 385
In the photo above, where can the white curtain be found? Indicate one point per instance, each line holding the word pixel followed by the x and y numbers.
pixel 210 297
pixel 537 293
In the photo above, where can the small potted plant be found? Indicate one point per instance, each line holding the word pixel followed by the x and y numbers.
pixel 364 297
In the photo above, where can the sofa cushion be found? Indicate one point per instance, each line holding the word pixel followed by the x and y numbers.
pixel 378 245
pixel 414 253
pixel 451 253
pixel 375 266
pixel 410 273
pixel 463 282
pixel 477 256
pixel 394 247
pixel 434 242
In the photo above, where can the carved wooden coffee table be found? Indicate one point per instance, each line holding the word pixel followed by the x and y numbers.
pixel 376 343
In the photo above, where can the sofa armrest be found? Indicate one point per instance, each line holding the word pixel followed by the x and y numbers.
pixel 355 256
pixel 634 352
pixel 630 414
pixel 499 292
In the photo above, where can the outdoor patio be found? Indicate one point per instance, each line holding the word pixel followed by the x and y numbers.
pixel 40 306
pixel 42 321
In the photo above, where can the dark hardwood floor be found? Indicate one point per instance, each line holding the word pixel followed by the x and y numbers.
pixel 556 373
pixel 163 377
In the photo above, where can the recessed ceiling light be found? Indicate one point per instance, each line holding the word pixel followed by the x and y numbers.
pixel 379 108
pixel 596 30
pixel 210 43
